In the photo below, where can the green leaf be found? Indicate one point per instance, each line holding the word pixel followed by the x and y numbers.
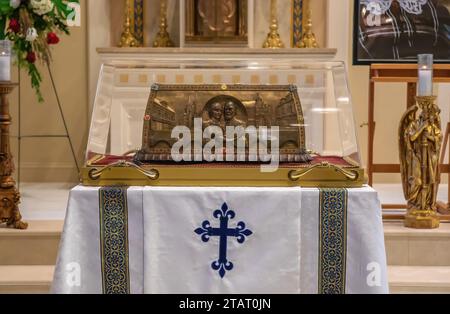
pixel 40 23
pixel 62 7
pixel 5 8
pixel 36 80
pixel 2 28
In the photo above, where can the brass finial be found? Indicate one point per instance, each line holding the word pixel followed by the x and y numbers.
pixel 273 38
pixel 163 38
pixel 127 39
pixel 308 39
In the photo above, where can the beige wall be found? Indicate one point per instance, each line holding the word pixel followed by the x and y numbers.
pixel 50 159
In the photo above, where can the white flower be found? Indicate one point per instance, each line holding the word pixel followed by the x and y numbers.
pixel 31 34
pixel 41 7
pixel 14 3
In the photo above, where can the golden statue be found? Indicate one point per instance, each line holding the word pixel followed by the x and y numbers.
pixel 420 141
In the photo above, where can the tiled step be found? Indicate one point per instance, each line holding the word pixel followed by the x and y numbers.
pixel 38 245
pixel 26 279
pixel 412 247
pixel 402 279
pixel 419 279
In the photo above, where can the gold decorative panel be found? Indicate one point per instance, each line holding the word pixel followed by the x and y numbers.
pixel 223 106
pixel 216 22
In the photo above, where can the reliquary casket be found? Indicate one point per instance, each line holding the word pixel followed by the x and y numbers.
pixel 223 123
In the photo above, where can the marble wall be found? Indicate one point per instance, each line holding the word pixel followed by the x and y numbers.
pixel 261 21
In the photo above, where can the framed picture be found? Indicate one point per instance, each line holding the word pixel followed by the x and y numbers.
pixel 396 31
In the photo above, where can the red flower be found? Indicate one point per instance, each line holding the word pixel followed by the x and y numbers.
pixel 52 38
pixel 14 25
pixel 31 57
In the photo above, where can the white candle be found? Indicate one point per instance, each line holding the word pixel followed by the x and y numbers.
pixel 5 67
pixel 425 66
pixel 425 87
pixel 5 60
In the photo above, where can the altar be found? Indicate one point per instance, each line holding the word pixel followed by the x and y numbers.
pixel 276 240
pixel 209 171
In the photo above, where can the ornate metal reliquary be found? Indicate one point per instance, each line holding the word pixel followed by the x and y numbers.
pixel 168 122
pixel 244 110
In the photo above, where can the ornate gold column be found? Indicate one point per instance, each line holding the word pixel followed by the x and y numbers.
pixel 9 195
pixel 127 39
pixel 163 38
pixel 273 38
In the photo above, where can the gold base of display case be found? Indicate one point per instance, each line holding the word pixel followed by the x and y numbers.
pixel 128 174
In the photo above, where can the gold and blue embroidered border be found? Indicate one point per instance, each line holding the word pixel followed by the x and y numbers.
pixel 114 240
pixel 332 240
pixel 138 20
pixel 296 23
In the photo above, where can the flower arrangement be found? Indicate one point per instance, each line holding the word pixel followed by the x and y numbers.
pixel 32 27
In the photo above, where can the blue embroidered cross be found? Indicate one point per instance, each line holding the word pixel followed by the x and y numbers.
pixel 240 233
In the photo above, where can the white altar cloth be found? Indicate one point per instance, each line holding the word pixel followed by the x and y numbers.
pixel 292 246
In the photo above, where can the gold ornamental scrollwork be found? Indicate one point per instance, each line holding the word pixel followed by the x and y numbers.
pixel 9 194
pixel 420 139
pixel 152 174
pixel 351 175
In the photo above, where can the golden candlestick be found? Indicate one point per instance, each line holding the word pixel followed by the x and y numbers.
pixel 163 38
pixel 127 39
pixel 273 38
pixel 308 38
pixel 9 195
pixel 420 140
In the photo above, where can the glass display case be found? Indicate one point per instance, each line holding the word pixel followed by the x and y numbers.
pixel 197 122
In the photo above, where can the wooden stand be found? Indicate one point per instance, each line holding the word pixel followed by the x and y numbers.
pixel 9 195
pixel 396 73
pixel 444 208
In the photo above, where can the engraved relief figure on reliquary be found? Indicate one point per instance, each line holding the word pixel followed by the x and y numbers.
pixel 216 22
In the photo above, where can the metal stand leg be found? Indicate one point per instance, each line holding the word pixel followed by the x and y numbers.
pixel 21 137
pixel 63 119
